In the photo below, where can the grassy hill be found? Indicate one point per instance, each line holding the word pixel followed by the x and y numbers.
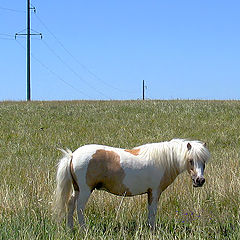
pixel 30 134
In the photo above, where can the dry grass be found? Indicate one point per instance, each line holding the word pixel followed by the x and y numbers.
pixel 31 133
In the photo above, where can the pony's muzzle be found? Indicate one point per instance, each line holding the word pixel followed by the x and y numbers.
pixel 198 182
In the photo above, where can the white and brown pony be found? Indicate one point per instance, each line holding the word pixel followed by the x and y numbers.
pixel 149 168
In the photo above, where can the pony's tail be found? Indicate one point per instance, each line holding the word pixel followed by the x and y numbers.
pixel 64 185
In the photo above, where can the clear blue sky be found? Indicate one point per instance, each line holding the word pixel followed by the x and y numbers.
pixel 104 49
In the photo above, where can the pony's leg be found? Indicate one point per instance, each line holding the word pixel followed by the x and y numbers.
pixel 71 208
pixel 153 197
pixel 81 202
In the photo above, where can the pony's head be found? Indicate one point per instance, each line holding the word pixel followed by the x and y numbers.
pixel 196 157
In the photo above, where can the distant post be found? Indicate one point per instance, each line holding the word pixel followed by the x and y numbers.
pixel 143 93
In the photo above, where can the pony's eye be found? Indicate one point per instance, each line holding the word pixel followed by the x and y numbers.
pixel 191 162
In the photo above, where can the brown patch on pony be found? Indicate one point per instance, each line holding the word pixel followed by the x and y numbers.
pixel 74 177
pixel 105 172
pixel 133 151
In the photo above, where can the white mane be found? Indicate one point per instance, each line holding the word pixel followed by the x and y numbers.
pixel 174 153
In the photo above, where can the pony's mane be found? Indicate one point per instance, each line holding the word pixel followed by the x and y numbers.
pixel 174 152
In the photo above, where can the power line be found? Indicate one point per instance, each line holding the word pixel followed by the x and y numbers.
pixel 76 60
pixel 12 10
pixel 54 73
pixel 5 36
pixel 73 71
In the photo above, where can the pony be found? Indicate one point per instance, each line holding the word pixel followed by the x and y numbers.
pixel 149 169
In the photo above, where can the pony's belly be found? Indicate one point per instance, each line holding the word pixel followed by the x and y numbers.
pixel 141 180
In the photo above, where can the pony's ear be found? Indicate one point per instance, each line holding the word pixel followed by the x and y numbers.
pixel 205 144
pixel 189 146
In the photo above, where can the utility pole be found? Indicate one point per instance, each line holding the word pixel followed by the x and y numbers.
pixel 28 34
pixel 28 52
pixel 143 88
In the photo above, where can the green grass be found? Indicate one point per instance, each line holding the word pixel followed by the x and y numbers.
pixel 32 132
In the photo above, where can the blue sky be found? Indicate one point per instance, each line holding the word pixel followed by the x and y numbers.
pixel 104 49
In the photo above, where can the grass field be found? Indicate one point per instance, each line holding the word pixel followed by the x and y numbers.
pixel 31 133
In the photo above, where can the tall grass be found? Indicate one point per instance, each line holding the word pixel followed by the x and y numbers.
pixel 32 132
